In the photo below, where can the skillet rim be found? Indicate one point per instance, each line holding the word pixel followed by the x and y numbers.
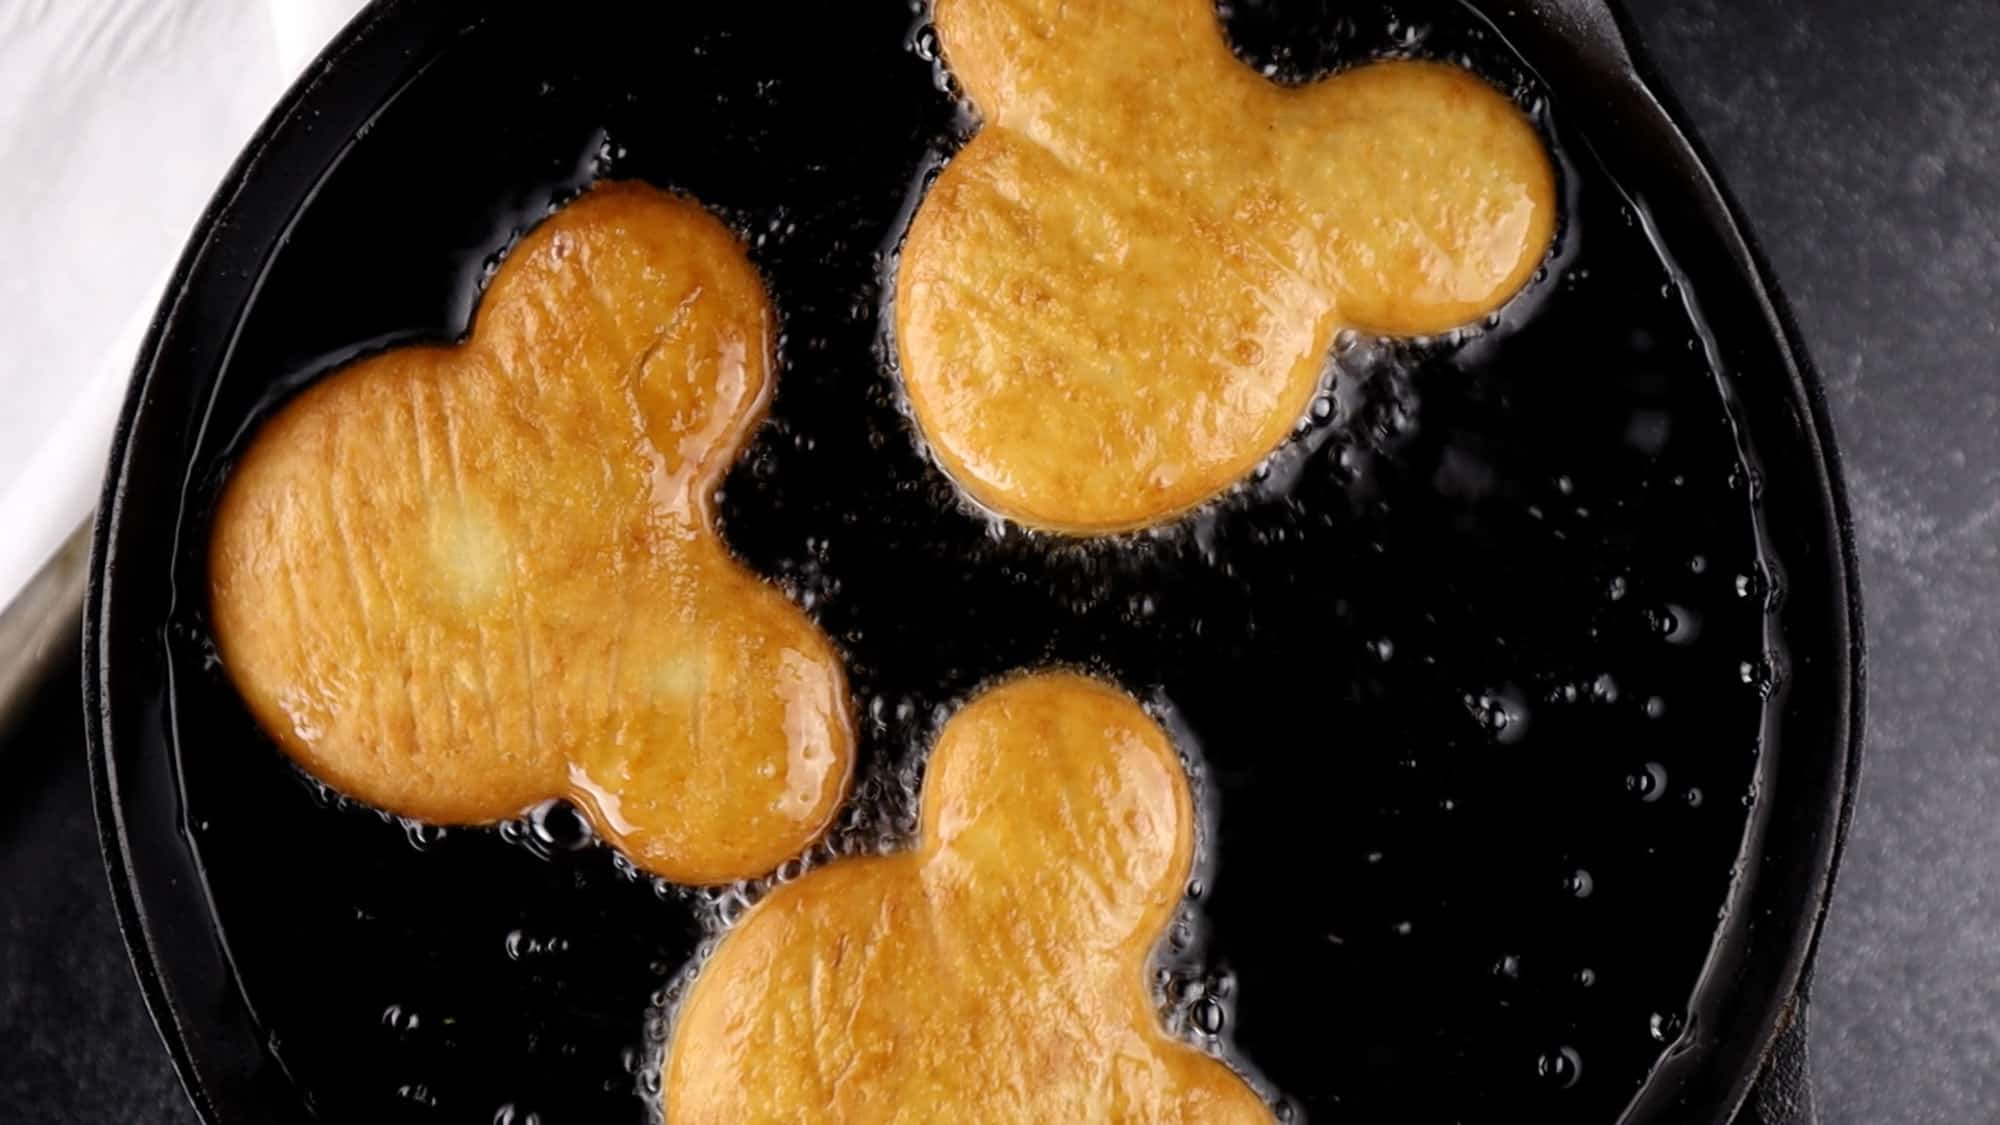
pixel 1608 39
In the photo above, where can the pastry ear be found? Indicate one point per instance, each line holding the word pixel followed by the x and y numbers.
pixel 1417 262
pixel 695 368
pixel 1065 784
pixel 1018 55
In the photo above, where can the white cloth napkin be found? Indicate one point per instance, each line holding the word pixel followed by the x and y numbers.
pixel 118 119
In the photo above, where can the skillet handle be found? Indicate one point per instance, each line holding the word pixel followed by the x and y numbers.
pixel 40 627
pixel 1783 1093
pixel 1596 25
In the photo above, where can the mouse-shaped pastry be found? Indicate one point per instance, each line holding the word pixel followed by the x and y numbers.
pixel 1119 297
pixel 453 582
pixel 995 973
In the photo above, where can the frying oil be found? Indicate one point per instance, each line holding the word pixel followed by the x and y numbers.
pixel 1469 677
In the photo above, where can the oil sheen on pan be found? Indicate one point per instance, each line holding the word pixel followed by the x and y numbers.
pixel 1469 676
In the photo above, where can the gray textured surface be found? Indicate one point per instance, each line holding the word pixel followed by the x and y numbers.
pixel 1863 139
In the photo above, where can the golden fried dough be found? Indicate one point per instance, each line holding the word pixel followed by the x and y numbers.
pixel 453 582
pixel 1118 298
pixel 994 974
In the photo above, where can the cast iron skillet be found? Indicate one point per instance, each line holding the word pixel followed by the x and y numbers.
pixel 155 710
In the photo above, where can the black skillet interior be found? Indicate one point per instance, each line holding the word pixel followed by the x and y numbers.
pixel 1520 692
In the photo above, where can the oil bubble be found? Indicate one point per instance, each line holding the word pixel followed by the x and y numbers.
pixel 1208 1016
pixel 1680 625
pixel 1760 675
pixel 397 1018
pixel 422 836
pixel 1504 718
pixel 558 826
pixel 1560 1067
pixel 521 946
pixel 1648 782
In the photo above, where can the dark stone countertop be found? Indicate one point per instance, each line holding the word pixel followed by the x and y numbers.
pixel 1862 139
